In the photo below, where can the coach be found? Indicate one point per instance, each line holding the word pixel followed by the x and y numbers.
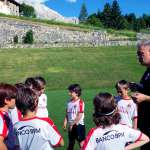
pixel 143 94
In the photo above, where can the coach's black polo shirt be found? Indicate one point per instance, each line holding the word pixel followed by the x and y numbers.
pixel 144 107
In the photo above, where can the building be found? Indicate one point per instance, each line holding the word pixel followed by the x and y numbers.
pixel 9 7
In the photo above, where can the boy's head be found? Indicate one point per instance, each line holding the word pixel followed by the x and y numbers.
pixel 75 89
pixel 105 110
pixel 26 100
pixel 33 84
pixel 122 87
pixel 42 82
pixel 7 95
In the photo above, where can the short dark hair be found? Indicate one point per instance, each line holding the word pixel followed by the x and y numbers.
pixel 75 88
pixel 32 83
pixel 26 100
pixel 19 85
pixel 40 79
pixel 7 91
pixel 105 110
pixel 122 83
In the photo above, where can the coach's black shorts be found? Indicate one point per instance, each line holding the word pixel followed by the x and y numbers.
pixel 77 133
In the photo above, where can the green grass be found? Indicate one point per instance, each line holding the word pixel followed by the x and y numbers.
pixel 69 26
pixel 91 67
pixel 96 69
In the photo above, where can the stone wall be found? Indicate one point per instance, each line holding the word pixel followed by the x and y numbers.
pixel 51 36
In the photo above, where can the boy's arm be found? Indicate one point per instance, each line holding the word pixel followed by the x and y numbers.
pixel 65 122
pixel 80 112
pixel 135 117
pixel 135 123
pixel 79 116
pixel 2 145
pixel 143 140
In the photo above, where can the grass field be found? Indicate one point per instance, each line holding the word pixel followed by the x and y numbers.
pixel 96 69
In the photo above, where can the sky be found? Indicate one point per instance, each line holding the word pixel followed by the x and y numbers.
pixel 71 8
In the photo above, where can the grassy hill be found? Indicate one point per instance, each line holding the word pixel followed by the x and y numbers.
pixel 96 69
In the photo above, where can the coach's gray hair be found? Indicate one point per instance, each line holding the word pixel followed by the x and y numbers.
pixel 143 43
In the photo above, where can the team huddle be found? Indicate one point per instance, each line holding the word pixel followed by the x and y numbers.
pixel 24 122
pixel 120 123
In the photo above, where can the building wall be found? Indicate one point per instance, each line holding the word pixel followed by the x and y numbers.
pixel 9 8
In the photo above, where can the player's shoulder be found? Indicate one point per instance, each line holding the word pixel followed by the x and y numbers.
pixel 81 101
pixel 46 120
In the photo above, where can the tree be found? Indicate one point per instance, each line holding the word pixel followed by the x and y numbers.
pixel 116 16
pixel 131 19
pixel 106 15
pixel 94 20
pixel 27 11
pixel 83 14
pixel 147 20
pixel 15 39
pixel 28 38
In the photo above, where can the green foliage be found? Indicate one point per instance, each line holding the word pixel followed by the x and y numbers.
pixel 129 33
pixel 116 16
pixel 28 38
pixel 83 14
pixel 106 15
pixel 94 20
pixel 27 10
pixel 15 39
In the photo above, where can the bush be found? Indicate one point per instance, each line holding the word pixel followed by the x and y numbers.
pixel 15 39
pixel 28 38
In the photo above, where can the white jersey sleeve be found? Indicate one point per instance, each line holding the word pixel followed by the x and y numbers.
pixel 89 143
pixel 51 133
pixel 3 128
pixel 132 135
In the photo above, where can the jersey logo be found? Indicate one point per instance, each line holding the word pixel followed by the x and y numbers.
pixel 110 135
pixel 25 130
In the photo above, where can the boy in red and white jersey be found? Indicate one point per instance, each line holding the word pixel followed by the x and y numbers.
pixel 75 117
pixel 37 84
pixel 15 115
pixel 7 101
pixel 34 133
pixel 108 133
pixel 126 106
pixel 42 110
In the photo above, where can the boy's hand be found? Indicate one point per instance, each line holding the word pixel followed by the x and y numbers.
pixel 70 127
pixel 64 126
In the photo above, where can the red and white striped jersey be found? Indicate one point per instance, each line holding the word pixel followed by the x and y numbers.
pixel 36 134
pixel 128 111
pixel 73 108
pixel 15 115
pixel 42 107
pixel 114 137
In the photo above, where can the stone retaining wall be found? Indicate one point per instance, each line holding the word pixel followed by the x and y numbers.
pixel 51 36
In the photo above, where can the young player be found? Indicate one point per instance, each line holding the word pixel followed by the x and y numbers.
pixel 42 104
pixel 75 117
pixel 126 106
pixel 34 133
pixel 14 114
pixel 108 133
pixel 7 101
